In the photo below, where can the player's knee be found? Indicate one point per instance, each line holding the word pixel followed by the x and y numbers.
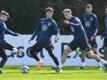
pixel 51 54
pixel 68 50
pixel 31 52
pixel 89 54
pixel 4 58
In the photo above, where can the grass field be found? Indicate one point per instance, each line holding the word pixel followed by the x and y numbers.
pixel 69 73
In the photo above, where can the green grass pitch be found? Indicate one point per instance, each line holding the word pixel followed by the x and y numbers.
pixel 69 73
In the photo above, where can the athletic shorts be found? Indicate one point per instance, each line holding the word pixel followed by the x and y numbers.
pixel 82 44
pixel 39 46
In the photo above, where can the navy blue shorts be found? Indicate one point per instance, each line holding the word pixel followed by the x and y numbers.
pixel 39 46
pixel 82 44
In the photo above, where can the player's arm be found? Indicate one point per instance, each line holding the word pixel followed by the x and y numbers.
pixel 36 31
pixel 96 26
pixel 102 36
pixel 82 18
pixel 8 31
pixel 56 31
pixel 74 23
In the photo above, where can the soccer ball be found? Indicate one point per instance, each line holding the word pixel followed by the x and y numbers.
pixel 25 69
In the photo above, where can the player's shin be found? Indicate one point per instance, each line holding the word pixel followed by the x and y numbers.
pixel 96 57
pixel 66 52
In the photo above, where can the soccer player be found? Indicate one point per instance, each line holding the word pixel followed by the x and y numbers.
pixel 46 27
pixel 3 43
pixel 90 23
pixel 80 39
pixel 105 37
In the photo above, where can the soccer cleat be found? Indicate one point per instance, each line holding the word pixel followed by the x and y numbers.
pixel 100 68
pixel 1 71
pixel 40 64
pixel 105 68
pixel 82 67
pixel 57 69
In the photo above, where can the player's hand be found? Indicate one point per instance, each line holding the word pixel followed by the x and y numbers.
pixel 56 39
pixel 101 37
pixel 92 38
pixel 16 34
pixel 66 22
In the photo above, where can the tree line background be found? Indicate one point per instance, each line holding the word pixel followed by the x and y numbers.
pixel 24 14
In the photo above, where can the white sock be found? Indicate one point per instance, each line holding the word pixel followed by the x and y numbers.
pixel 103 61
pixel 100 65
pixel 0 69
pixel 60 65
pixel 41 61
pixel 83 64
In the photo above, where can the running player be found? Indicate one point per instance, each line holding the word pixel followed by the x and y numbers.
pixel 3 43
pixel 80 38
pixel 105 37
pixel 90 23
pixel 46 27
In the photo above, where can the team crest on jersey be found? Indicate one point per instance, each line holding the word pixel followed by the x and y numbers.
pixel 84 18
pixel 44 27
pixel 49 24
pixel 87 23
pixel 42 22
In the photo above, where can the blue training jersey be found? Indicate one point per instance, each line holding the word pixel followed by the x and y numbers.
pixel 90 24
pixel 3 30
pixel 46 27
pixel 77 29
pixel 105 32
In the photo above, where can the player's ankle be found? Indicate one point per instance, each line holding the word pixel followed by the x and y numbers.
pixel 40 61
pixel 1 70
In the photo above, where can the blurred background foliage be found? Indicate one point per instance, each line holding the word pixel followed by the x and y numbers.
pixel 25 13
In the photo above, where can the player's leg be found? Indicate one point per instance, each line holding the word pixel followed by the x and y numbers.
pixel 89 53
pixel 105 57
pixel 3 60
pixel 65 54
pixel 72 46
pixel 33 51
pixel 86 47
pixel 105 53
pixel 8 46
pixel 94 48
pixel 49 48
pixel 82 57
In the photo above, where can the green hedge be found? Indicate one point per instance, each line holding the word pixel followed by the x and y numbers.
pixel 25 13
